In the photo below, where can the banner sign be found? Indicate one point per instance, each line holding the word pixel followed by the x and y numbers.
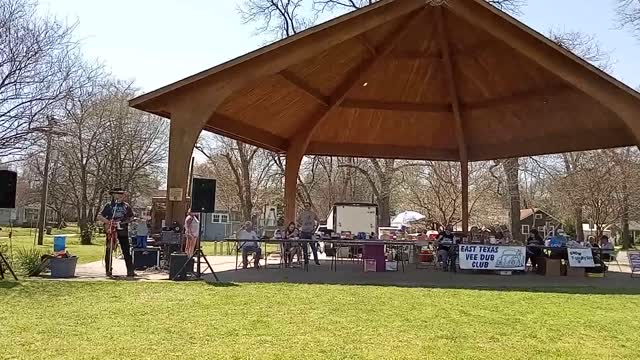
pixel 580 257
pixel 487 257
pixel 634 259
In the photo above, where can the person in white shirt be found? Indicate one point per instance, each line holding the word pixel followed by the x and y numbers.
pixel 250 245
pixel 191 232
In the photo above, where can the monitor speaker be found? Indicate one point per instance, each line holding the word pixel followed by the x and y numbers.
pixel 8 180
pixel 203 195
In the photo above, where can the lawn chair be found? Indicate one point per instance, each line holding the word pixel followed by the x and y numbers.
pixel 251 256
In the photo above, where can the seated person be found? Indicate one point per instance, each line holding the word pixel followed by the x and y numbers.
pixel 558 241
pixel 251 245
pixel 534 251
pixel 607 248
pixel 291 248
pixel 445 242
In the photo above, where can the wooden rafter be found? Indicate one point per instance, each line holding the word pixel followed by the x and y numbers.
pixel 306 88
pixel 367 45
pixel 396 106
pixel 304 134
pixel 223 125
pixel 451 83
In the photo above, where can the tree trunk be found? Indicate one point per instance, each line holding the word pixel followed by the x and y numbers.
pixel 511 167
pixel 384 210
pixel 626 233
pixel 578 219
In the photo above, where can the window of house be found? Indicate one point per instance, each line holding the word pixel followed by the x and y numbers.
pixel 220 218
pixel 525 229
pixel 538 216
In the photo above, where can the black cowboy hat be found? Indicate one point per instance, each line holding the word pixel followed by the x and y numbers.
pixel 116 190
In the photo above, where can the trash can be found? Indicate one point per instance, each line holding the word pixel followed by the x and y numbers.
pixel 59 243
pixel 63 267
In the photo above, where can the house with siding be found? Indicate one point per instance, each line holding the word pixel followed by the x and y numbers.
pixel 539 219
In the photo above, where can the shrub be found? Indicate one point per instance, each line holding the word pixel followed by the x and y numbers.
pixel 29 259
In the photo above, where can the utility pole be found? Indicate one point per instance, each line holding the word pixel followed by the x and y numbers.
pixel 42 218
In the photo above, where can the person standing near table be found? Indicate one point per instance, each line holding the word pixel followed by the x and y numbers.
pixel 309 222
pixel 249 245
pixel 121 213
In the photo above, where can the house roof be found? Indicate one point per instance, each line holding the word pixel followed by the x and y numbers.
pixel 525 213
pixel 401 79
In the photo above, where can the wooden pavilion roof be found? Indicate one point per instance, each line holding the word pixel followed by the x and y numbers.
pixel 407 80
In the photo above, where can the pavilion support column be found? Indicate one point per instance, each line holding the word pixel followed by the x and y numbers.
pixel 292 169
pixel 464 175
pixel 183 135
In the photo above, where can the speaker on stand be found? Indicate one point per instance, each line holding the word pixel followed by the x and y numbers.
pixel 203 199
pixel 8 181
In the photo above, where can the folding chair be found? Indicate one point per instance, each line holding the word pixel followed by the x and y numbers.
pixel 613 257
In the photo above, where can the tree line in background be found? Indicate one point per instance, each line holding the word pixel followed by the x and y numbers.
pixel 57 105
pixel 54 101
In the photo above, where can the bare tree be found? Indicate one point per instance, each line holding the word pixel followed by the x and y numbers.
pixel 249 167
pixel 106 144
pixel 584 45
pixel 280 18
pixel 628 15
pixel 38 60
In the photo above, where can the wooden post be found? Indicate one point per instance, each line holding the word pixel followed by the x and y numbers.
pixel 182 140
pixel 464 174
pixel 292 168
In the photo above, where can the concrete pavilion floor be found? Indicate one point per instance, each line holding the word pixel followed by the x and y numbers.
pixel 350 273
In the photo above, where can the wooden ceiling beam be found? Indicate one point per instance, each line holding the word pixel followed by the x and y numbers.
pixel 451 83
pixel 549 143
pixel 302 137
pixel 296 81
pixel 382 151
pixel 238 130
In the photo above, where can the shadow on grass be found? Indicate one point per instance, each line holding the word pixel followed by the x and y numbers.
pixel 612 284
pixel 9 284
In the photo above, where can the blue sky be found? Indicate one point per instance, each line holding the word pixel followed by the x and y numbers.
pixel 162 41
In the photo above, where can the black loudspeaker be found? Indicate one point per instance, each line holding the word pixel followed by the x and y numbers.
pixel 177 262
pixel 203 195
pixel 8 180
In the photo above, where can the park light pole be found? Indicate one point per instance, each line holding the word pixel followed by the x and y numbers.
pixel 42 218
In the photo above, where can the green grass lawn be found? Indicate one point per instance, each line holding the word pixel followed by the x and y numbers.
pixel 25 238
pixel 142 320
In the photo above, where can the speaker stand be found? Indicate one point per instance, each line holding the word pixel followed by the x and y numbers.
pixel 198 254
pixel 4 263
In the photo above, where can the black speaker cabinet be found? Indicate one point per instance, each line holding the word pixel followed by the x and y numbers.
pixel 8 180
pixel 203 195
pixel 176 263
pixel 146 258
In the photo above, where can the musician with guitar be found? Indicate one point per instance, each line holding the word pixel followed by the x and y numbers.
pixel 116 216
